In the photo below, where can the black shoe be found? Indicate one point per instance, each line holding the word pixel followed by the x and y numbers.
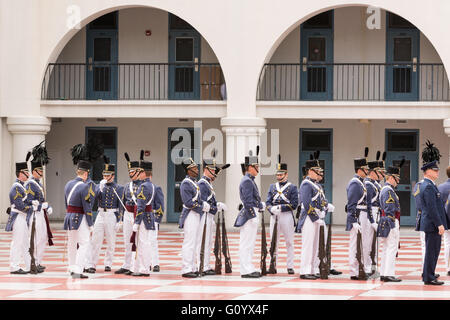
pixel 391 279
pixel 156 268
pixel 89 270
pixel 121 271
pixel 437 275
pixel 255 274
pixel 209 272
pixel 382 278
pixel 41 267
pixel 78 275
pixel 308 277
pixel 434 282
pixel 20 271
pixel 357 278
pixel 272 271
pixel 107 269
pixel 335 272
pixel 138 274
pixel 128 273
pixel 190 275
pixel 290 271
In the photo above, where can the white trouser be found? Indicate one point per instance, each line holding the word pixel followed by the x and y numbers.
pixel 447 249
pixel 422 244
pixel 310 246
pixel 192 234
pixel 353 263
pixel 367 238
pixel 20 244
pixel 104 227
pixel 389 251
pixel 247 240
pixel 40 239
pixel 286 227
pixel 128 221
pixel 154 245
pixel 210 228
pixel 82 237
pixel 143 250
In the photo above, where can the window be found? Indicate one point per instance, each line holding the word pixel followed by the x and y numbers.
pixel 107 21
pixel 176 23
pixel 316 140
pixel 402 141
pixel 397 22
pixel 323 20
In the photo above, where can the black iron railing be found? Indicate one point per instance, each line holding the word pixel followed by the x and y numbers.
pixel 132 81
pixel 353 82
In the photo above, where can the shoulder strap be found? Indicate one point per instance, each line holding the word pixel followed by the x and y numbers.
pixel 153 195
pixel 73 189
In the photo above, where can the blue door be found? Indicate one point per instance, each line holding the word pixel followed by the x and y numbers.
pixel 316 58
pixel 101 64
pixel 318 139
pixel 396 139
pixel 175 171
pixel 184 59
pixel 402 70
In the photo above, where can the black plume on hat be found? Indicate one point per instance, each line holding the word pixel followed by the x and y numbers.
pixel 378 155
pixel 40 155
pixel 127 157
pixel 105 159
pixel 142 155
pixel 78 153
pixel 366 152
pixel 430 153
pixel 28 156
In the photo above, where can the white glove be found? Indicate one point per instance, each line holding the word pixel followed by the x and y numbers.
pixel 374 213
pixel 49 210
pixel 374 226
pixel 275 209
pixel 44 205
pixel 320 222
pixel 322 214
pixel 135 227
pixel 330 208
pixel 118 226
pixel 206 206
pixel 35 204
pixel 356 226
pixel 102 184
pixel 221 206
pixel 263 206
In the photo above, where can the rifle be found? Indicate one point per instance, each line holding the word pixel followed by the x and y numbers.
pixel 323 268
pixel 328 246
pixel 217 253
pixel 374 251
pixel 263 247
pixel 33 268
pixel 202 247
pixel 273 248
pixel 225 248
pixel 361 273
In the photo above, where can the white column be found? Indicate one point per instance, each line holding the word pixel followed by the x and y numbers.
pixel 242 135
pixel 447 131
pixel 26 132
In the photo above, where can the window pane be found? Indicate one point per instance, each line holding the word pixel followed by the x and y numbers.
pixel 316 140
pixel 396 21
pixel 405 203
pixel 184 79
pixel 323 20
pixel 184 49
pixel 402 80
pixel 317 79
pixel 402 49
pixel 105 137
pixel 176 23
pixel 316 49
pixel 108 21
pixel 402 141
pixel 102 49
pixel 102 79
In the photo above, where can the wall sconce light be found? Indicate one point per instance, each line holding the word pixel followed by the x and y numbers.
pixel 148 33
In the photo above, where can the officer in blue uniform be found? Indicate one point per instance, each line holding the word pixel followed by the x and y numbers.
pixel 248 217
pixel 129 212
pixel 79 197
pixel 389 224
pixel 312 216
pixel 356 203
pixel 282 201
pixel 444 189
pixel 144 222
pixel 19 220
pixel 193 209
pixel 433 220
pixel 108 219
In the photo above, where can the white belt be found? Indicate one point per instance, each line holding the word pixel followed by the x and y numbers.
pixel 17 211
pixel 361 207
pixel 107 210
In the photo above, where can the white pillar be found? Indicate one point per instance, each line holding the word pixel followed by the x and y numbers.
pixel 242 135
pixel 26 132
pixel 447 131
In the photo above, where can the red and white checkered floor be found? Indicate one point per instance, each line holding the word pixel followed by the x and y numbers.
pixel 55 282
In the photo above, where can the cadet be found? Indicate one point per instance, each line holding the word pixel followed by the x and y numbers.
pixel 444 189
pixel 282 201
pixel 19 220
pixel 35 191
pixel 108 218
pixel 158 211
pixel 193 209
pixel 144 222
pixel 357 202
pixel 433 220
pixel 248 217
pixel 389 224
pixel 312 198
pixel 208 195
pixel 129 212
pixel 78 220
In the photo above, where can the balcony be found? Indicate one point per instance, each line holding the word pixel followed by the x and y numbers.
pixel 353 82
pixel 132 81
